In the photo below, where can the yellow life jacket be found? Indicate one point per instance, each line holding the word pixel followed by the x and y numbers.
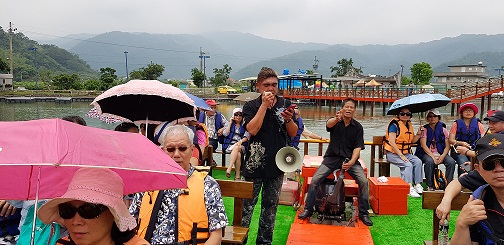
pixel 191 210
pixel 403 139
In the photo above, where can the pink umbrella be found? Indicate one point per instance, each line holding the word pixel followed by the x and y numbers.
pixel 47 152
pixel 139 100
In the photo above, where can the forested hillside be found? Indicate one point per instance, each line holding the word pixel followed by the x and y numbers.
pixel 51 59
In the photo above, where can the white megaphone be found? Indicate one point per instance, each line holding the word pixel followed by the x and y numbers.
pixel 288 159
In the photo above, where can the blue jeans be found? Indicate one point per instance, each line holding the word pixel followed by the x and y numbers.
pixel 449 163
pixel 410 171
pixel 356 171
pixel 214 143
pixel 461 159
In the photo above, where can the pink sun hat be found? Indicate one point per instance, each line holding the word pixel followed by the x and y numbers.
pixel 93 185
pixel 470 105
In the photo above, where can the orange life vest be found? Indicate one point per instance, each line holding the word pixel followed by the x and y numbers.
pixel 403 139
pixel 191 209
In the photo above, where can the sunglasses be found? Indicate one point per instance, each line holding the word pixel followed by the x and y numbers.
pixel 238 114
pixel 86 211
pixel 405 114
pixel 489 165
pixel 172 149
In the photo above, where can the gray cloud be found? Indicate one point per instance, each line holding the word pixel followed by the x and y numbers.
pixel 326 21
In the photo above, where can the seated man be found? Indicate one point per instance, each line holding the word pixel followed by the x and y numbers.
pixel 347 140
pixel 435 148
pixel 167 217
pixel 480 220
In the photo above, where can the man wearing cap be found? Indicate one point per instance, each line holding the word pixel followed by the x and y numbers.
pixel 214 121
pixel 434 148
pixel 481 220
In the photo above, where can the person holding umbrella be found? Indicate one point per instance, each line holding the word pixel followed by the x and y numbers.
pixel 93 211
pixel 434 148
pixel 214 121
pixel 465 131
pixel 398 139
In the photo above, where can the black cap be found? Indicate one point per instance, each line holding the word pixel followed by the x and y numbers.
pixel 490 145
pixel 496 117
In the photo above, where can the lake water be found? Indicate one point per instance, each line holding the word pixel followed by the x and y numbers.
pixel 314 118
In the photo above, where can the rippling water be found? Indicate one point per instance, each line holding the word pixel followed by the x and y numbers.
pixel 314 117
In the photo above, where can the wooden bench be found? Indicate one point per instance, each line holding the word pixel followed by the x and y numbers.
pixel 239 190
pixel 431 199
pixel 383 164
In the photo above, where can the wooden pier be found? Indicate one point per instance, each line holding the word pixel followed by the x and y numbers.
pixel 383 96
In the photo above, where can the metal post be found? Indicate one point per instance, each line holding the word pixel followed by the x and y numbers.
pixel 36 68
pixel 127 74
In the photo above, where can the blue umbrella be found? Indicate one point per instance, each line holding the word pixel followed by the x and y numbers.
pixel 199 102
pixel 418 103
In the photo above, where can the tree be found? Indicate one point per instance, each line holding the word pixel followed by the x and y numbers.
pixel 405 80
pixel 344 66
pixel 198 77
pixel 151 72
pixel 421 73
pixel 3 66
pixel 65 81
pixel 107 77
pixel 221 75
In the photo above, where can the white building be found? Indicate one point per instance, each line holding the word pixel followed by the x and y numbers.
pixel 460 74
pixel 6 81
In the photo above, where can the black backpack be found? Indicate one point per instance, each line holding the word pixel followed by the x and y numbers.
pixel 440 182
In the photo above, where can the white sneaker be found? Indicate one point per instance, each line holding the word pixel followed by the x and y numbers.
pixel 413 193
pixel 419 188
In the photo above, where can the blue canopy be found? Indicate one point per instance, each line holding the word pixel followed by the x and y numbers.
pixel 199 102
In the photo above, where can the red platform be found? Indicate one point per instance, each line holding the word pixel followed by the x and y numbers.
pixel 390 197
pixel 303 232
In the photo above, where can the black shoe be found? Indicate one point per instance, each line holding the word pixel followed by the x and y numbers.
pixel 305 214
pixel 366 220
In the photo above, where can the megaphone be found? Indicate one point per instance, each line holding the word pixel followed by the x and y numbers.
pixel 288 159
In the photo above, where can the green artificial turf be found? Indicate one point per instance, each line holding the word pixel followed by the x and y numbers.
pixel 411 229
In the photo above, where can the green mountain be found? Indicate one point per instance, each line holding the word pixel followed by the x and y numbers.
pixel 51 60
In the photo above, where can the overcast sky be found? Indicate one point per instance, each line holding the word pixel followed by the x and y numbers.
pixel 353 22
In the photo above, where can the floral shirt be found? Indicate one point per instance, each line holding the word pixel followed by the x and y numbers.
pixel 164 231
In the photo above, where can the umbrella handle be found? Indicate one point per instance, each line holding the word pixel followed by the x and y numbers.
pixel 35 208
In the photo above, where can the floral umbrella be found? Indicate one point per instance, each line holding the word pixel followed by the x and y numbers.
pixel 140 101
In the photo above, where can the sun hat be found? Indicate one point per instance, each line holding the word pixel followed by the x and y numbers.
pixel 470 105
pixel 495 117
pixel 238 109
pixel 93 185
pixel 490 145
pixel 434 111
pixel 211 102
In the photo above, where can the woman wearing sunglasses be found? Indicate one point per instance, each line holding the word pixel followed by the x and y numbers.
pixel 93 211
pixel 465 131
pixel 398 139
pixel 234 142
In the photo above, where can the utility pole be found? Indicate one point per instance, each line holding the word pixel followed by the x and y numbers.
pixel 203 58
pixel 127 74
pixel 400 77
pixel 11 32
pixel 315 65
pixel 36 68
